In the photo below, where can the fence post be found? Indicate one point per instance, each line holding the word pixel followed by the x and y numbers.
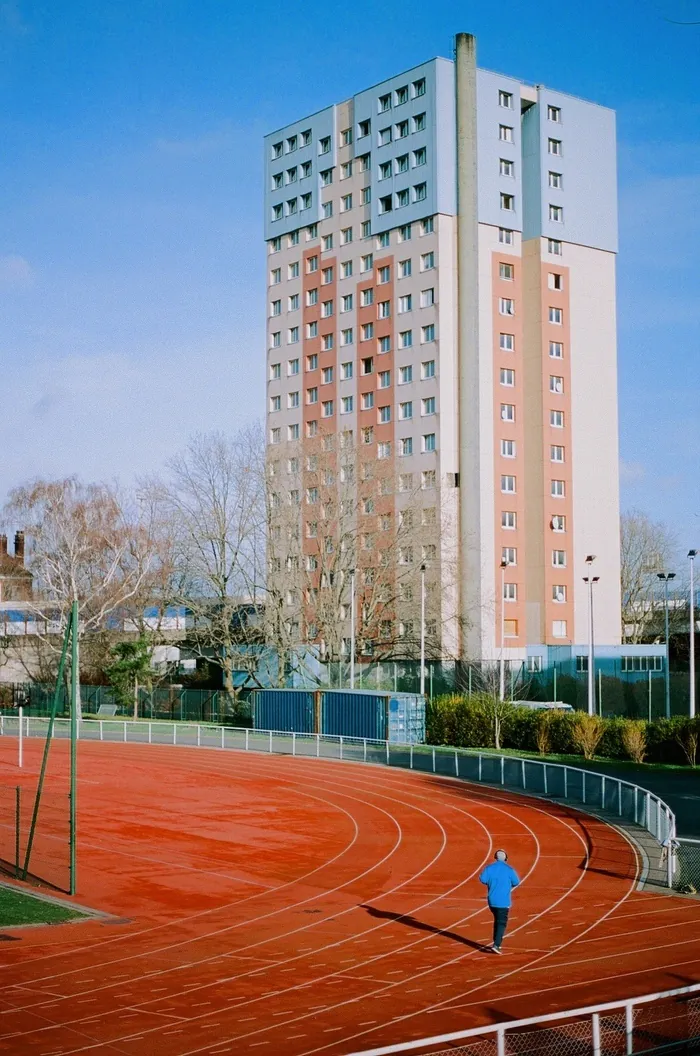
pixel 18 805
pixel 2 725
pixel 270 742
pixel 602 791
pixel 595 1032
pixel 658 819
pixel 124 731
pixel 629 1028
pixel 247 736
pixel 199 736
pixel 223 730
pixel 583 783
pixel 480 766
pixel 670 855
pixel 501 1040
pixel 456 764
pixel 546 789
pixel 647 812
pixel 433 760
pixel 364 746
pixel 503 770
pixel 174 734
pixel 294 743
pixel 636 805
pixel 341 747
pixel 318 745
pixel 566 782
pixel 619 798
pixel 522 771
pixel 150 732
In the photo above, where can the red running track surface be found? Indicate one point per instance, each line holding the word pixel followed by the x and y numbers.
pixel 288 906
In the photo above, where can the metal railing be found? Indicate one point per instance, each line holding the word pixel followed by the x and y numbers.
pixel 667 1020
pixel 594 790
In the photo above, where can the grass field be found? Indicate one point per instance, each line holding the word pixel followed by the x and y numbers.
pixel 18 908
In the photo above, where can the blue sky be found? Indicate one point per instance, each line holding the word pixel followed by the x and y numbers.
pixel 132 275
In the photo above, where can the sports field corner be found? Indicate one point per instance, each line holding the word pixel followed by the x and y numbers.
pixel 293 906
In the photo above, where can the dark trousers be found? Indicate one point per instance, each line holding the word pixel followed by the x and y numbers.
pixel 500 922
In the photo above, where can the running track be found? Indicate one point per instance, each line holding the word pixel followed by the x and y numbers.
pixel 288 906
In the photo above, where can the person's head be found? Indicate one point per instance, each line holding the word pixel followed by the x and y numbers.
pixel 501 856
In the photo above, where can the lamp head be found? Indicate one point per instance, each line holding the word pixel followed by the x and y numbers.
pixel 692 554
pixel 590 558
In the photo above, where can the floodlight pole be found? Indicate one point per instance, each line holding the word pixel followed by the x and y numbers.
pixel 352 629
pixel 74 690
pixel 422 630
pixel 692 554
pixel 665 578
pixel 589 580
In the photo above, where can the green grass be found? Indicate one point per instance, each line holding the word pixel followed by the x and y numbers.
pixel 569 760
pixel 18 908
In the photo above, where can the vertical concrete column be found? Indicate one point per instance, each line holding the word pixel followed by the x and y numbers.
pixel 470 583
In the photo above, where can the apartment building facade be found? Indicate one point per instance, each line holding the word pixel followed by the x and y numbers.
pixel 442 362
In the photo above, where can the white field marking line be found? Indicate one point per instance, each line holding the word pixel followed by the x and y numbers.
pixel 241 1004
pixel 389 986
pixel 164 949
pixel 178 921
pixel 626 934
pixel 449 1002
pixel 278 964
pixel 621 953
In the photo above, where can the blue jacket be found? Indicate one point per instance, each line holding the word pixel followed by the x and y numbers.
pixel 500 879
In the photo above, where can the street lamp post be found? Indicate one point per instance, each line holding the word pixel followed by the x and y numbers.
pixel 666 577
pixel 692 555
pixel 590 580
pixel 502 666
pixel 422 630
pixel 352 629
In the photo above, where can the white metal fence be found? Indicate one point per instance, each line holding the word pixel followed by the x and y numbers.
pixel 665 1021
pixel 555 780
pixel 685 865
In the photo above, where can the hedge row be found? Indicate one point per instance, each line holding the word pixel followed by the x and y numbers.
pixel 470 722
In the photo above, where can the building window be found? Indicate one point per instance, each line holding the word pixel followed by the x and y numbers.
pixel 401 95
pixel 364 161
pixel 292 432
pixel 506 342
pixel 506 167
pixel 510 628
pixel 327 243
pixel 404 233
pixel 405 339
pixel 346 404
pixel 402 132
pixel 508 202
pixel 559 558
pixel 419 123
pixel 276 339
pixel 327 375
pixel 508 448
pixel 384 415
pixel 293 238
pixel 429 442
pixel 555 281
pixel 427 261
pixel 427 333
pixel 554 113
pixel 556 214
pixel 345 203
pixel 420 192
pixel 312 395
pixel 327 342
pixel 506 306
pixel 324 145
pixel 419 87
pixel 326 309
pixel 275 403
pixel 558 523
pixel 510 592
pixel 554 247
pixel 556 419
pixel 367 332
pixel 293 367
pixel 427 406
pixel 505 236
pixel 508 484
pixel 275 371
pixel 346 336
pixel 406 446
pixel 556 350
pixel 556 383
pixel 506 271
pixel 327 210
pixel 292 175
pixel 505 99
pixel 406 410
pixel 554 147
pixel 367 401
pixel 505 133
pixel 427 226
pixel 386 204
pixel 367 365
pixel 428 369
pixel 275 276
pixel 384 450
pixel 405 375
pixel 420 157
pixel 312 330
pixel 384 379
pixel 275 436
pixel 384 309
pixel 327 408
pixel 427 298
pixel 556 453
pixel 554 180
pixel 558 489
pixel 556 315
pixel 385 170
pixel 293 302
pixel 312 362
pixel 509 520
pixel 345 236
pixel 559 593
pixel 277 150
pixel 427 479
pixel 384 136
pixel 326 177
pixel 507 376
pixel 327 276
pixel 276 308
pixel 275 245
pixel 346 371
pixel 558 628
pixel 402 198
pixel 293 335
pixel 366 298
pixel 405 303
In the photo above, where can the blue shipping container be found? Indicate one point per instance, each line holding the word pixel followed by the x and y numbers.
pixel 397 717
pixel 283 709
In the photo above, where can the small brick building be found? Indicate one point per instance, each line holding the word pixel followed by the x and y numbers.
pixel 15 579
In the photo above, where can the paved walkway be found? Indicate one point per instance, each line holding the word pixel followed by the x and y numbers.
pixel 680 789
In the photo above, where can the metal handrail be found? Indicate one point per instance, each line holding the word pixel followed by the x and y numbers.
pixel 501 1030
pixel 654 810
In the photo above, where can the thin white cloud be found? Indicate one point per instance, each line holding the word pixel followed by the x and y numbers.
pixel 16 272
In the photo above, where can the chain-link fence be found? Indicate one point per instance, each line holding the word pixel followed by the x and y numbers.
pixel 686 865
pixel 665 1022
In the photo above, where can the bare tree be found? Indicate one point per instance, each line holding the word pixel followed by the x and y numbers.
pixel 212 501
pixel 646 548
pixel 85 545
